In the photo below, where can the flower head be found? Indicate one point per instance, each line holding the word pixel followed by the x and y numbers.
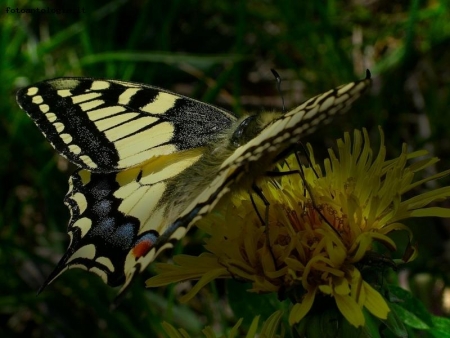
pixel 319 226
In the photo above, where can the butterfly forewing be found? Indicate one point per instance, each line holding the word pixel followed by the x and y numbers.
pixel 274 139
pixel 108 125
pixel 174 158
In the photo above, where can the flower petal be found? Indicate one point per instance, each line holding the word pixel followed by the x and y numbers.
pixel 207 277
pixel 299 310
pixel 375 303
pixel 270 326
pixel 350 309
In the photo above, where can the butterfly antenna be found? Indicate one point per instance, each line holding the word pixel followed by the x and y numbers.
pixel 278 79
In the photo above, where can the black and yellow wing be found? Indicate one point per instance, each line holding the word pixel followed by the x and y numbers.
pixel 127 208
pixel 108 125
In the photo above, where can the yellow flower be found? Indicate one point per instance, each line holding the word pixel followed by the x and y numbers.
pixel 269 329
pixel 318 234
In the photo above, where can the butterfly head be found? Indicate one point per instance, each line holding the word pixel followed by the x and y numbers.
pixel 248 128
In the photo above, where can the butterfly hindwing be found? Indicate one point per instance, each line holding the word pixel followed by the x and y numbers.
pixel 116 218
pixel 109 125
pixel 100 235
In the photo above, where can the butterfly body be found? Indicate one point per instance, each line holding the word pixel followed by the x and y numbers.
pixel 153 162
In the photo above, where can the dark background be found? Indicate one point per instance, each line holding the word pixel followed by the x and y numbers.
pixel 222 53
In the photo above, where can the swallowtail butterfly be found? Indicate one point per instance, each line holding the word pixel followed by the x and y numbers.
pixel 152 162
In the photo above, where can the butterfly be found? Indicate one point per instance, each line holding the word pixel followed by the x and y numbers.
pixel 151 162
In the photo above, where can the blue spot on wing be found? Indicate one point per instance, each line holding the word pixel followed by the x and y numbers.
pixel 112 233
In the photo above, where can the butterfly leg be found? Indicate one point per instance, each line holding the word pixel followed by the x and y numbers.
pixel 300 172
pixel 259 192
pixel 263 222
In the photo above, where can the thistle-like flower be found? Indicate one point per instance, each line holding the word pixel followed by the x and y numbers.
pixel 320 227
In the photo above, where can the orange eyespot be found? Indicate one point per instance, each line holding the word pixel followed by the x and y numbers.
pixel 142 248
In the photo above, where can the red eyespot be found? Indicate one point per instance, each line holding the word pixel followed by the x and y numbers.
pixel 142 248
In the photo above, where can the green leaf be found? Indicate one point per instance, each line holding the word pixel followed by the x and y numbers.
pixel 394 324
pixel 348 330
pixel 409 318
pixel 197 60
pixel 247 305
pixel 412 305
pixel 441 327
pixel 372 327
pixel 328 322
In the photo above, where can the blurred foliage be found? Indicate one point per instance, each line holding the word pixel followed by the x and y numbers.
pixel 219 52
